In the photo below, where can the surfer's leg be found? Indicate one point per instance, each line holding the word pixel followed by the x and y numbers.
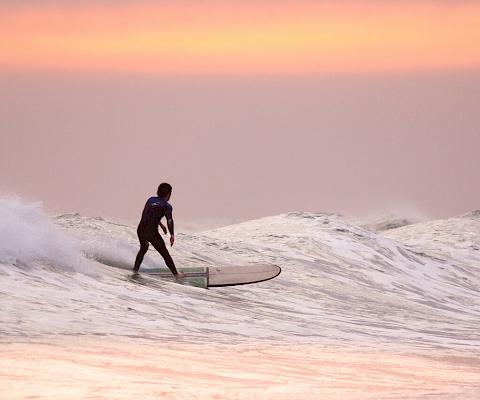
pixel 141 253
pixel 159 245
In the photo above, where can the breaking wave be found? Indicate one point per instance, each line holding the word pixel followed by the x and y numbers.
pixel 414 285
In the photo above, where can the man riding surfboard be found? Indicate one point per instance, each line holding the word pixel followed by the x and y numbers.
pixel 155 209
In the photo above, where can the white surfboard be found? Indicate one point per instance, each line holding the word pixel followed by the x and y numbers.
pixel 216 276
pixel 241 275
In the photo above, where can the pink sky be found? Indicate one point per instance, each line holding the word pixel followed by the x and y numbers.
pixel 94 113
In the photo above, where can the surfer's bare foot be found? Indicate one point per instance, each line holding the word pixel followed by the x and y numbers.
pixel 180 275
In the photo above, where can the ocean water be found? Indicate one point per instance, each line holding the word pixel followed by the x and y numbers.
pixel 364 310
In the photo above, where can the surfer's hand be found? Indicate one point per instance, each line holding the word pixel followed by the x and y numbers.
pixel 172 240
pixel 180 275
pixel 163 228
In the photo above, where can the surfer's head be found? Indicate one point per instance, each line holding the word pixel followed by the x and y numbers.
pixel 164 191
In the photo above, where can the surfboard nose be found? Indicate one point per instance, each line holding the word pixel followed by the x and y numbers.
pixel 233 275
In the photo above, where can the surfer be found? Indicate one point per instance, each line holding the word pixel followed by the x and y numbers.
pixel 155 209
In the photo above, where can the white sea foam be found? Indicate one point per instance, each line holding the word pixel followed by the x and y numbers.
pixel 29 238
pixel 415 286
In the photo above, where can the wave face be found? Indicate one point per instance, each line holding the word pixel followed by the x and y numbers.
pixel 414 286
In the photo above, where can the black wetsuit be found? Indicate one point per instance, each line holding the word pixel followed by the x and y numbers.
pixel 155 209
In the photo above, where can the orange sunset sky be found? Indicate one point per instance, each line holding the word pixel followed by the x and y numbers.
pixel 244 37
pixel 249 108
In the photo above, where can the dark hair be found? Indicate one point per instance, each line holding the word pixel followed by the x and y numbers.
pixel 164 189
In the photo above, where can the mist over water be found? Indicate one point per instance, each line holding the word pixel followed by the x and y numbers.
pixel 29 238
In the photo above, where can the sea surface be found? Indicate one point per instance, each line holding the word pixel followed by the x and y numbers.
pixel 363 309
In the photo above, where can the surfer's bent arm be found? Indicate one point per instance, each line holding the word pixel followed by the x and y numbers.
pixel 169 217
pixel 162 226
pixel 170 226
